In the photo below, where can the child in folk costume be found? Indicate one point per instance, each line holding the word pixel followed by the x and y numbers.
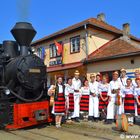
pixel 69 95
pixel 115 104
pixel 84 102
pixel 93 98
pixel 59 100
pixel 103 99
pixel 137 95
pixel 129 100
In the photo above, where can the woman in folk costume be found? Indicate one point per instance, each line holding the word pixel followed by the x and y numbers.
pixel 69 95
pixel 103 99
pixel 98 77
pixel 137 95
pixel 93 99
pixel 115 103
pixel 59 100
pixel 84 102
pixel 129 100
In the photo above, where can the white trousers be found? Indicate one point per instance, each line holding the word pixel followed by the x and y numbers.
pixel 136 111
pixel 76 105
pixel 113 109
pixel 93 106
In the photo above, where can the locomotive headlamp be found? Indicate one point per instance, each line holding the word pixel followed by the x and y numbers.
pixel 7 91
pixel 33 49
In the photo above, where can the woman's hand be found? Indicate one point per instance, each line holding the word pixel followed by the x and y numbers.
pixel 109 99
pixel 94 95
pixel 51 92
pixel 105 99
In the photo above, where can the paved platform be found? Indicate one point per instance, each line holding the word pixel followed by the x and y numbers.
pixel 75 131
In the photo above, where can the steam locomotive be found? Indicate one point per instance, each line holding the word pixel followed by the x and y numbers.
pixel 23 94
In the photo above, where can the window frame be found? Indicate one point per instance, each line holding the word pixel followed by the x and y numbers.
pixel 50 49
pixel 39 51
pixel 78 36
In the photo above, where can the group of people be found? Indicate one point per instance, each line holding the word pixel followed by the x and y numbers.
pixel 96 98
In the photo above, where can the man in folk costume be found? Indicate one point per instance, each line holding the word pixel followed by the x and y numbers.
pixel 129 100
pixel 76 82
pixel 103 99
pixel 69 96
pixel 137 95
pixel 123 77
pixel 93 99
pixel 59 100
pixel 115 104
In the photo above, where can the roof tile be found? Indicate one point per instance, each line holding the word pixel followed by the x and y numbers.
pixel 113 48
pixel 91 21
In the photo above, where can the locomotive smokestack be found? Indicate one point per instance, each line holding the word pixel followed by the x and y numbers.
pixel 23 33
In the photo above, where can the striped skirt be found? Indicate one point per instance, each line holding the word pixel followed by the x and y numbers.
pixel 84 103
pixel 71 102
pixel 59 104
pixel 138 106
pixel 103 104
pixel 129 103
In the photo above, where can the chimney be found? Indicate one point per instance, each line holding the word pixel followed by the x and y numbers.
pixel 126 29
pixel 101 17
pixel 23 33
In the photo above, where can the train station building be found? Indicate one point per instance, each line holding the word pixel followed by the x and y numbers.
pixel 90 46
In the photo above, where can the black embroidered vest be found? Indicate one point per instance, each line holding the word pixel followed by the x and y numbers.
pixel 57 91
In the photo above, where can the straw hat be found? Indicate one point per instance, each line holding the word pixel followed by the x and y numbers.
pixel 76 72
pixel 137 71
pixel 123 70
pixel 98 74
pixel 104 77
pixel 92 75
pixel 59 76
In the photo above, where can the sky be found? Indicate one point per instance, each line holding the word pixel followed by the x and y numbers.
pixel 49 16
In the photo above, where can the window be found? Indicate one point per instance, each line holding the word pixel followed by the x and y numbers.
pixel 41 52
pixel 75 44
pixel 53 50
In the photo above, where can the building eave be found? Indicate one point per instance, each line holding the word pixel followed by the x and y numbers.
pixel 64 67
pixel 91 22
pixel 111 57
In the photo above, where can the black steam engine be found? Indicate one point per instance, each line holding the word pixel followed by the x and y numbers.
pixel 23 94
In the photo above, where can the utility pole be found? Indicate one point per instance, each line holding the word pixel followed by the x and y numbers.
pixel 86 40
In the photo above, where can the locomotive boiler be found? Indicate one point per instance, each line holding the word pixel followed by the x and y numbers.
pixel 23 94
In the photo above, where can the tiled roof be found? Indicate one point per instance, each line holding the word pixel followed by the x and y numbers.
pixel 114 48
pixel 91 21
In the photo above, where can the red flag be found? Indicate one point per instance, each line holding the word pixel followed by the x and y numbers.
pixel 59 47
